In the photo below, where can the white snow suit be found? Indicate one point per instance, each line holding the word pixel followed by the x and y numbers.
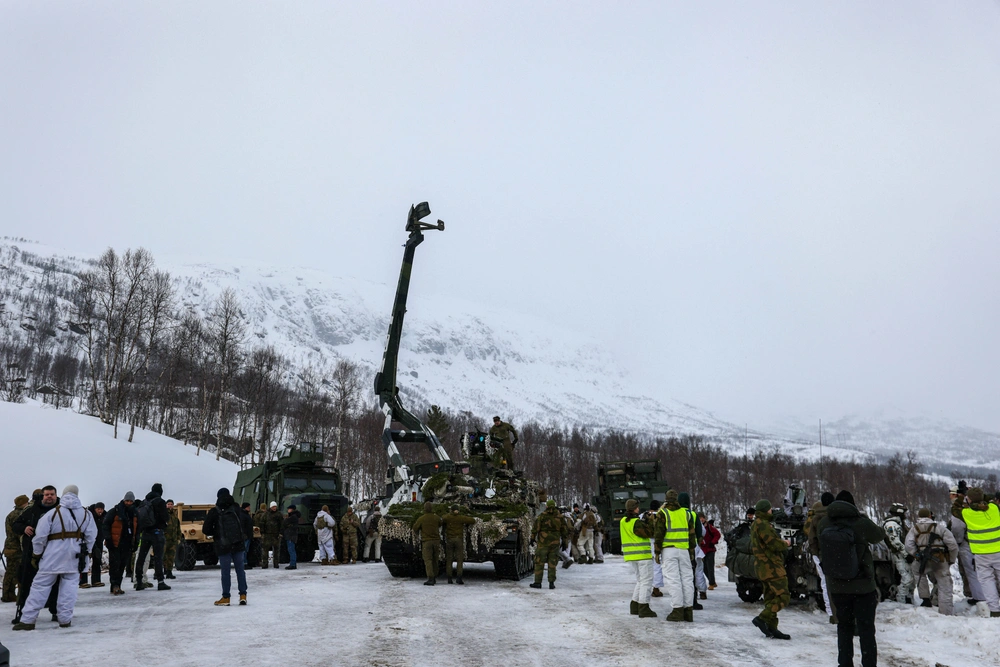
pixel 324 535
pixel 678 578
pixel 937 566
pixel 895 536
pixel 958 529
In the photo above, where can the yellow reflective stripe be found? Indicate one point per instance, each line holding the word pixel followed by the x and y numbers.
pixel 985 526
pixel 633 546
pixel 671 541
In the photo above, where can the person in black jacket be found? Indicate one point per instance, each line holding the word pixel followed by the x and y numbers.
pixel 153 537
pixel 290 531
pixel 97 553
pixel 854 599
pixel 42 501
pixel 230 527
pixel 120 533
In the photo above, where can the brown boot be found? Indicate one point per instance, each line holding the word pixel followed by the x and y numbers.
pixel 634 607
pixel 702 595
pixel 646 612
pixel 325 561
pixel 657 593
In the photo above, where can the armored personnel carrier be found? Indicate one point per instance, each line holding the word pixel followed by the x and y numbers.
pixel 619 481
pixel 502 502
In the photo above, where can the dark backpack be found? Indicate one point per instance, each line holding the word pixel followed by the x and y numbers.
pixel 147 518
pixel 230 531
pixel 839 552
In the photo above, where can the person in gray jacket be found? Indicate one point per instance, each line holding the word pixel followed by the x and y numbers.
pixel 972 588
pixel 933 549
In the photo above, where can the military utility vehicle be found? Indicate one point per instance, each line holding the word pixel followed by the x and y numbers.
pixel 617 482
pixel 298 478
pixel 502 502
pixel 194 545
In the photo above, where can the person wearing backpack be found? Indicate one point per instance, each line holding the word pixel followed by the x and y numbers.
pixel 982 521
pixel 933 549
pixel 769 563
pixel 844 539
pixel 229 526
pixel 324 523
pixel 153 519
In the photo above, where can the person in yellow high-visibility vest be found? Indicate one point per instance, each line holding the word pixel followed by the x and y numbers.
pixel 982 520
pixel 636 532
pixel 674 542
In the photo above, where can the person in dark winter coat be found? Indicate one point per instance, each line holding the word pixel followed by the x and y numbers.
pixel 97 554
pixel 153 537
pixel 42 501
pixel 120 533
pixel 230 527
pixel 290 531
pixel 855 599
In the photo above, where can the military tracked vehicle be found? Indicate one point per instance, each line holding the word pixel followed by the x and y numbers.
pixel 619 481
pixel 803 580
pixel 502 502
pixel 297 477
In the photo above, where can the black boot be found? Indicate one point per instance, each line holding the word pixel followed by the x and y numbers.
pixel 552 585
pixel 926 602
pixel 536 584
pixel 429 582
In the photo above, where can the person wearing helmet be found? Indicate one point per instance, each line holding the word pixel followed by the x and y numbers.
pixel 896 529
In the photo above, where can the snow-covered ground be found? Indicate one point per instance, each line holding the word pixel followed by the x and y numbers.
pixel 359 615
pixel 41 445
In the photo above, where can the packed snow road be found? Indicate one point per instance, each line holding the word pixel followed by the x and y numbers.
pixel 359 615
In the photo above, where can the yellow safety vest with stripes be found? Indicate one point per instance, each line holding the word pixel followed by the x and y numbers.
pixel 983 529
pixel 633 546
pixel 677 528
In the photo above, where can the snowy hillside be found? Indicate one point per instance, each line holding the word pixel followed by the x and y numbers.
pixel 59 447
pixel 461 355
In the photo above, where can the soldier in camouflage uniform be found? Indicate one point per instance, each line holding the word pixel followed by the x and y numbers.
pixel 272 535
pixel 429 527
pixel 12 550
pixel 171 538
pixel 769 561
pixel 349 526
pixel 454 540
pixel 549 534
pixel 504 436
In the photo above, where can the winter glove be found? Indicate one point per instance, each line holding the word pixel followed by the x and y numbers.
pixel 909 559
pixel 657 557
pixel 35 560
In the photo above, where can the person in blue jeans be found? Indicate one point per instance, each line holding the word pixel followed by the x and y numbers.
pixel 229 526
pixel 290 531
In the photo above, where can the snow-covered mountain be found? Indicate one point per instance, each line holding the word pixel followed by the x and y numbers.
pixel 469 358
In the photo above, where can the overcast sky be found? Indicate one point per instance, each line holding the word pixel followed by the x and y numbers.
pixel 764 209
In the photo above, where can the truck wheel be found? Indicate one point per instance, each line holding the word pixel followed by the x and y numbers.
pixel 749 590
pixel 211 558
pixel 186 557
pixel 304 554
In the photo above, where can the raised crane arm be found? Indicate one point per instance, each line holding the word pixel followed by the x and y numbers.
pixel 385 380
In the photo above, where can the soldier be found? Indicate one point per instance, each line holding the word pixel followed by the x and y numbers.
pixel 325 524
pixel 769 561
pixel 585 541
pixel 271 531
pixel 697 562
pixel 504 436
pixel 349 526
pixel 12 550
pixel 56 548
pixel 454 540
pixel 429 527
pixel 982 520
pixel 896 530
pixel 120 534
pixel 636 533
pixel 171 537
pixel 933 549
pixel 372 536
pixel 565 553
pixel 599 531
pixel 549 535
pixel 673 544
pixel 816 514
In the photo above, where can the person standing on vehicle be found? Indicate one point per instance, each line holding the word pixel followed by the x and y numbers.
pixel 637 550
pixel 372 536
pixel 982 520
pixel 97 553
pixel 228 526
pixel 673 544
pixel 711 537
pixel 769 562
pixel 271 531
pixel 290 532
pixel 349 527
pixel 851 578
pixel 814 516
pixel 454 540
pixel 324 524
pixel 12 550
pixel 120 532
pixel 933 550
pixel 153 520
pixel 429 527
pixel 61 543
pixel 504 436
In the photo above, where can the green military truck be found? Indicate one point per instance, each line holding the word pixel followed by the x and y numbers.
pixel 617 482
pixel 298 478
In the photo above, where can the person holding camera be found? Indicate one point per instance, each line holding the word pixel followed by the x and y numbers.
pixel 61 545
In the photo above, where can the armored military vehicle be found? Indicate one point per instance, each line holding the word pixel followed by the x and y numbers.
pixel 617 482
pixel 194 545
pixel 803 580
pixel 297 477
pixel 502 502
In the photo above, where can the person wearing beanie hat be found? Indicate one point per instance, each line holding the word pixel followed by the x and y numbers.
pixel 56 548
pixel 982 520
pixel 826 498
pixel 429 527
pixel 454 539
pixel 71 488
pixel 852 590
pixel 324 524
pixel 271 536
pixel 290 533
pixel 673 546
pixel 549 534
pixel 636 536
pixel 97 553
pixel 229 526
pixel 12 550
pixel 933 550
pixel 121 532
pixel 152 538
pixel 895 528
pixel 769 555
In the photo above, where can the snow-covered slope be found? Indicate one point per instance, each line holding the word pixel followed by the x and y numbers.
pixel 43 446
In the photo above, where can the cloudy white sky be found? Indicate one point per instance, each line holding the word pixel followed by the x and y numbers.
pixel 765 209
